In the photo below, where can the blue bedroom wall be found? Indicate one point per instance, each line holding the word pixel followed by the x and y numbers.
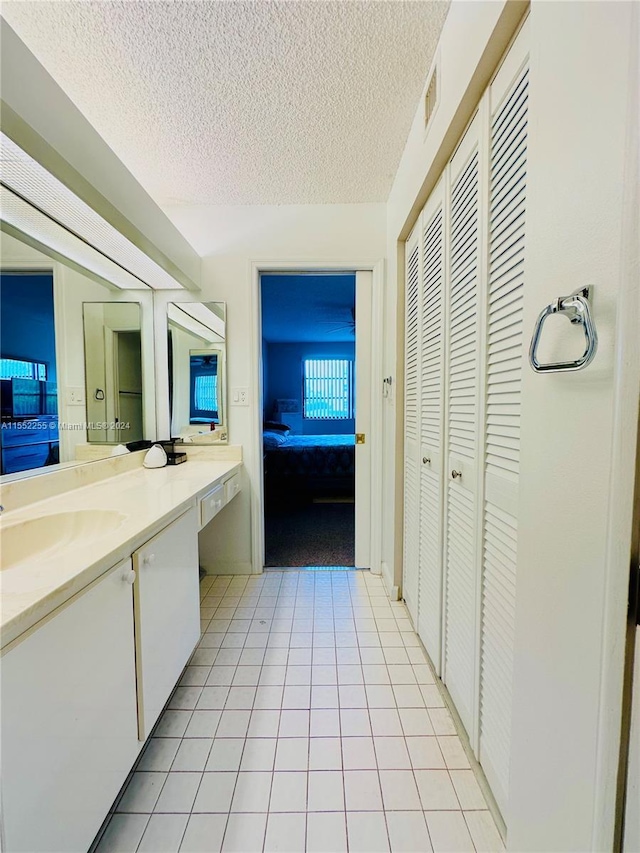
pixel 283 379
pixel 27 329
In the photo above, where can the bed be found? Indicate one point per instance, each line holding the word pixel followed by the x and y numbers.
pixel 310 464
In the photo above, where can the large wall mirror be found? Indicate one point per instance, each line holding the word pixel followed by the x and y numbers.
pixel 197 371
pixel 76 361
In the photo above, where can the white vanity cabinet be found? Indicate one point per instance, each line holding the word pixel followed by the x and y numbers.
pixel 68 730
pixel 167 613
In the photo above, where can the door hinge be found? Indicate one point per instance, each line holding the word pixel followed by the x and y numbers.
pixel 360 437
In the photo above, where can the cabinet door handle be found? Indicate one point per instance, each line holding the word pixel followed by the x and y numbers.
pixel 149 559
pixel 426 460
pixel 456 474
pixel 129 576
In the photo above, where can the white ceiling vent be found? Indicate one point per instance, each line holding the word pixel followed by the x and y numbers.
pixel 431 97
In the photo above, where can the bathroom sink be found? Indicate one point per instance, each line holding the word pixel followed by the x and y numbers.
pixel 36 539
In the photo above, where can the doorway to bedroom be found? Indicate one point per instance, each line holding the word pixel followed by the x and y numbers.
pixel 310 405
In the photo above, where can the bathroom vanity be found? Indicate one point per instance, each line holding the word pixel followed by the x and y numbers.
pixel 100 615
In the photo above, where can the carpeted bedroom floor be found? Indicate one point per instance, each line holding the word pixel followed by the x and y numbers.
pixel 310 534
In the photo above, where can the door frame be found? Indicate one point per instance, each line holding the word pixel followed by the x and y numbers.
pixel 254 461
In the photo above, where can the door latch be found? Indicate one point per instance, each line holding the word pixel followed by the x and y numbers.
pixel 360 437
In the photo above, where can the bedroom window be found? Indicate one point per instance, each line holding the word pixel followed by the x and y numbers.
pixel 14 368
pixel 328 388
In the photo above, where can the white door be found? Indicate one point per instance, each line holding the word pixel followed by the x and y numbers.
pixel 507 195
pixel 411 540
pixel 462 415
pixel 431 461
pixel 364 300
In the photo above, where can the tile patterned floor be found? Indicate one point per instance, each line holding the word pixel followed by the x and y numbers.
pixel 307 720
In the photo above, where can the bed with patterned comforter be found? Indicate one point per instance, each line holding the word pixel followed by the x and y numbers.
pixel 315 463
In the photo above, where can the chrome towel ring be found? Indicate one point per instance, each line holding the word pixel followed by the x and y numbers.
pixel 578 309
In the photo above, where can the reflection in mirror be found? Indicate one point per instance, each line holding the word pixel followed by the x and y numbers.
pixel 47 415
pixel 113 360
pixel 197 370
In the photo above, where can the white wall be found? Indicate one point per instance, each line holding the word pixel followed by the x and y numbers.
pixel 230 240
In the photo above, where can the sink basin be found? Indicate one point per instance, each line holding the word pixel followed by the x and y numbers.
pixel 35 539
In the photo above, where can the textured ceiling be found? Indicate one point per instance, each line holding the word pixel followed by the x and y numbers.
pixel 263 102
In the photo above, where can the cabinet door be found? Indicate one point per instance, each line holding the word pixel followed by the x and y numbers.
pixel 167 613
pixel 431 461
pixel 69 732
pixel 411 427
pixel 462 445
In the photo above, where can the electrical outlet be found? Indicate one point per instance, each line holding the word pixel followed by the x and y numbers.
pixel 239 396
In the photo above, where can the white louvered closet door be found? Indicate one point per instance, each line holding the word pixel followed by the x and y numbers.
pixel 411 426
pixel 462 411
pixel 504 357
pixel 431 460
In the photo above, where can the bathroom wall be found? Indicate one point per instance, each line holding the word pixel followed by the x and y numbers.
pixel 232 239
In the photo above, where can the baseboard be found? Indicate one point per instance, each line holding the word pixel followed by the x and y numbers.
pixel 387 576
pixel 229 569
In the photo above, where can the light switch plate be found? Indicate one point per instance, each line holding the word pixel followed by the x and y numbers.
pixel 239 396
pixel 75 396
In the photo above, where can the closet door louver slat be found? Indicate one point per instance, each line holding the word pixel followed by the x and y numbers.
pixel 411 428
pixel 460 524
pixel 507 197
pixel 431 427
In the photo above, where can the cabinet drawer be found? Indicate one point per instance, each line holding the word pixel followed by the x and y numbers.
pixel 211 504
pixel 231 487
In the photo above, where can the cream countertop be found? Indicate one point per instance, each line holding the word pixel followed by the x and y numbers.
pixel 148 500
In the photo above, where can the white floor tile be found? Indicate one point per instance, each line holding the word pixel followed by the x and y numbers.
pixel 367 832
pixel 354 722
pixel 415 721
pixel 123 833
pixel 326 832
pixel 204 833
pixel 233 724
pixel 483 831
pixel 399 791
pixel 391 753
pixel 326 792
pixel 325 753
pixel 192 755
pixel 294 723
pixel 212 699
pixel 362 790
pixel 358 753
pixel 442 721
pixel 408 696
pixel 408 832
pixel 425 753
pixel 469 794
pixel 324 696
pixel 436 790
pixel 385 722
pixel 252 792
pixel 448 832
pixel 163 833
pixel 285 833
pixel 172 724
pixel 454 755
pixel 142 792
pixel 178 793
pixel 325 722
pixel 292 754
pixel 159 754
pixel 225 754
pixel 215 792
pixel 352 696
pixel 259 754
pixel 203 724
pixel 245 833
pixel 289 792
pixel 296 696
pixel 264 723
pixel 268 697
